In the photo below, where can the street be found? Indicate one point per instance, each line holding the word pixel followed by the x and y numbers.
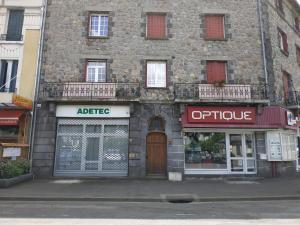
pixel 108 213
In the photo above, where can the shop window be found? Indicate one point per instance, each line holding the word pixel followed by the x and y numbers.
pixel 156 26
pixel 216 72
pixel 98 25
pixel 8 75
pixel 283 42
pixel 205 151
pixel 156 74
pixel 96 71
pixel 298 54
pixel 8 133
pixel 214 27
pixel 156 124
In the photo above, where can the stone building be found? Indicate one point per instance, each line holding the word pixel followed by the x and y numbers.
pixel 20 31
pixel 154 87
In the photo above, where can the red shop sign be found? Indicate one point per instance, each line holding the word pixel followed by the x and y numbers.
pixel 223 115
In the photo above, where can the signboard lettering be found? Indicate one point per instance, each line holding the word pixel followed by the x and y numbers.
pixel 221 115
pixel 91 111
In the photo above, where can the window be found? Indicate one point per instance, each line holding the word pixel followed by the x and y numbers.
pixel 287 83
pixel 297 24
pixel 156 26
pixel 298 54
pixel 98 25
pixel 214 27
pixel 279 6
pixel 216 71
pixel 8 75
pixel 96 71
pixel 15 25
pixel 156 74
pixel 283 41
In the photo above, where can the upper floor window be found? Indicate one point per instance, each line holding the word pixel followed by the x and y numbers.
pixel 216 71
pixel 214 27
pixel 279 6
pixel 8 75
pixel 98 25
pixel 156 26
pixel 283 42
pixel 156 74
pixel 298 54
pixel 14 25
pixel 96 71
pixel 297 24
pixel 287 84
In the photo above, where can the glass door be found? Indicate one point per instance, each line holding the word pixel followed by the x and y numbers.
pixel 242 153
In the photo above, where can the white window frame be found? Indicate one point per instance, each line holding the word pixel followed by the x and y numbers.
pixel 98 67
pixel 105 27
pixel 155 78
pixel 9 77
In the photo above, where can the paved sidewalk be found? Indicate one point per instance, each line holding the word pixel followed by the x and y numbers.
pixel 153 190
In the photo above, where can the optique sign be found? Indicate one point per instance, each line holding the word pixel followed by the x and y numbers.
pixel 230 115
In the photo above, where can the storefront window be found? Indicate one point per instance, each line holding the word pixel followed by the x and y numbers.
pixel 205 151
pixel 8 132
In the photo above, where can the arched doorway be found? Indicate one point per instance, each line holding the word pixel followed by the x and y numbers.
pixel 156 153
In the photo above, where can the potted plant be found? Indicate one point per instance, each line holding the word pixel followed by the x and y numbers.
pixel 13 172
pixel 219 83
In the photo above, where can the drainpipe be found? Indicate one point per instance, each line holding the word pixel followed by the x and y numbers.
pixel 260 16
pixel 37 80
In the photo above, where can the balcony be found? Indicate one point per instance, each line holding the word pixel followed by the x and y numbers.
pixel 292 99
pixel 53 91
pixel 193 92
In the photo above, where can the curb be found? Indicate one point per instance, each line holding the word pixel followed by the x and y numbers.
pixel 154 200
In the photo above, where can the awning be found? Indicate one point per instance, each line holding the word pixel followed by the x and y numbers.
pixel 10 117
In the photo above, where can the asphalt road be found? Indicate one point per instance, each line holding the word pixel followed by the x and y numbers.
pixel 90 213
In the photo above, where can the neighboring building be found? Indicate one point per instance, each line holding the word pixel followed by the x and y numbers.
pixel 20 30
pixel 282 44
pixel 141 88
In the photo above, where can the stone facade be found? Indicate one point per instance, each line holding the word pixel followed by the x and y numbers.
pixel 126 50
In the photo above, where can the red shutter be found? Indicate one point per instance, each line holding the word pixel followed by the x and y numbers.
pixel 156 26
pixel 216 71
pixel 285 79
pixel 214 27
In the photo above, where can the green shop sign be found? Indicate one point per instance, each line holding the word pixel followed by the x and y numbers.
pixel 93 111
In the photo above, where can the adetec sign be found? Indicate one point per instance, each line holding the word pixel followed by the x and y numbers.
pixel 222 115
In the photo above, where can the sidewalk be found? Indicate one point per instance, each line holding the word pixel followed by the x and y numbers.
pixel 153 190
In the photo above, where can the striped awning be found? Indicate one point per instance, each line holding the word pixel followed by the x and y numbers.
pixel 10 117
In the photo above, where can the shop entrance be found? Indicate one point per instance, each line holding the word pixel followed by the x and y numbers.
pixel 242 154
pixel 91 147
pixel 219 153
pixel 156 153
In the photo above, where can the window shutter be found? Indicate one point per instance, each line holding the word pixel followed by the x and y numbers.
pixel 156 26
pixel 297 24
pixel 216 71
pixel 15 25
pixel 298 54
pixel 3 75
pixel 214 27
pixel 13 80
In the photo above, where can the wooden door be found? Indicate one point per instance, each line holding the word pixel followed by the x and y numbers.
pixel 156 154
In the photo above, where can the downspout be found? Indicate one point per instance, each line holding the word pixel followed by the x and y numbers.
pixel 37 80
pixel 260 16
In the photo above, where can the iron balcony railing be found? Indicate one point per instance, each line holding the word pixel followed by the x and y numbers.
pixel 89 91
pixel 6 37
pixel 224 92
pixel 292 98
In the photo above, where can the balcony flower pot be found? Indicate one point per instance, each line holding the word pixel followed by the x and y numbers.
pixel 219 83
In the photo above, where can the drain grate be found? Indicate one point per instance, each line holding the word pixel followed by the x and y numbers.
pixel 180 201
